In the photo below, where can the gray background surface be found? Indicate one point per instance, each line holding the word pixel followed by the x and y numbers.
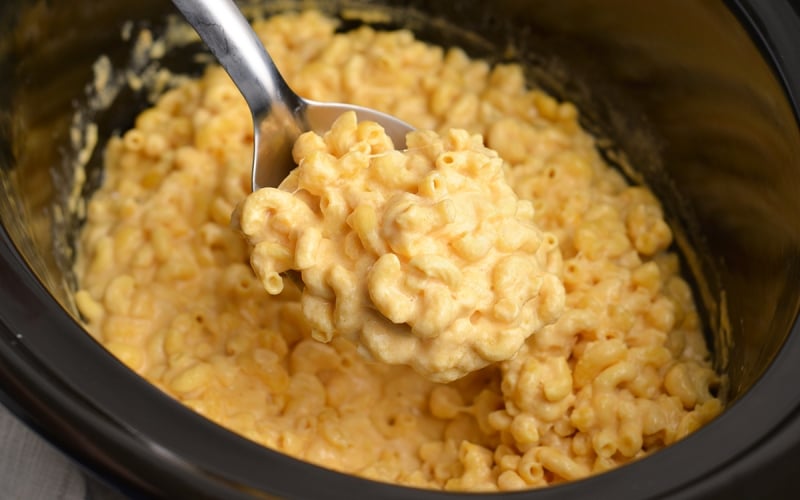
pixel 33 469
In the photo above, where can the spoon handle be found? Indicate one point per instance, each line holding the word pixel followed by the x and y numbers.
pixel 238 49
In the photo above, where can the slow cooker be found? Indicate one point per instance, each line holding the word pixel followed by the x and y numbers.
pixel 702 96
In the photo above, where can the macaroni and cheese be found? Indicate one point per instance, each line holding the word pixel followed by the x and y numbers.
pixel 166 285
pixel 424 257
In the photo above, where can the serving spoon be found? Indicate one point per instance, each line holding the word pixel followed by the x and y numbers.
pixel 279 114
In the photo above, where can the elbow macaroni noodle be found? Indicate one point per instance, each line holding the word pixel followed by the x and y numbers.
pixel 167 287
pixel 426 257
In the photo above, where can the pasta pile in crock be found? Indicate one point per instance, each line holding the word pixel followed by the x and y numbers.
pixel 166 284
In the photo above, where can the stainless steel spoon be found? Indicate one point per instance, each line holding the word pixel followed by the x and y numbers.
pixel 279 115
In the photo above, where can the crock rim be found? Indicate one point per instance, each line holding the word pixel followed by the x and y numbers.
pixel 102 413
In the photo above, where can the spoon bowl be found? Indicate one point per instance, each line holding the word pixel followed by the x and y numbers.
pixel 279 114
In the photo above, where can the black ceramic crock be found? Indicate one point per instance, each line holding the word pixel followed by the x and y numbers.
pixel 701 96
